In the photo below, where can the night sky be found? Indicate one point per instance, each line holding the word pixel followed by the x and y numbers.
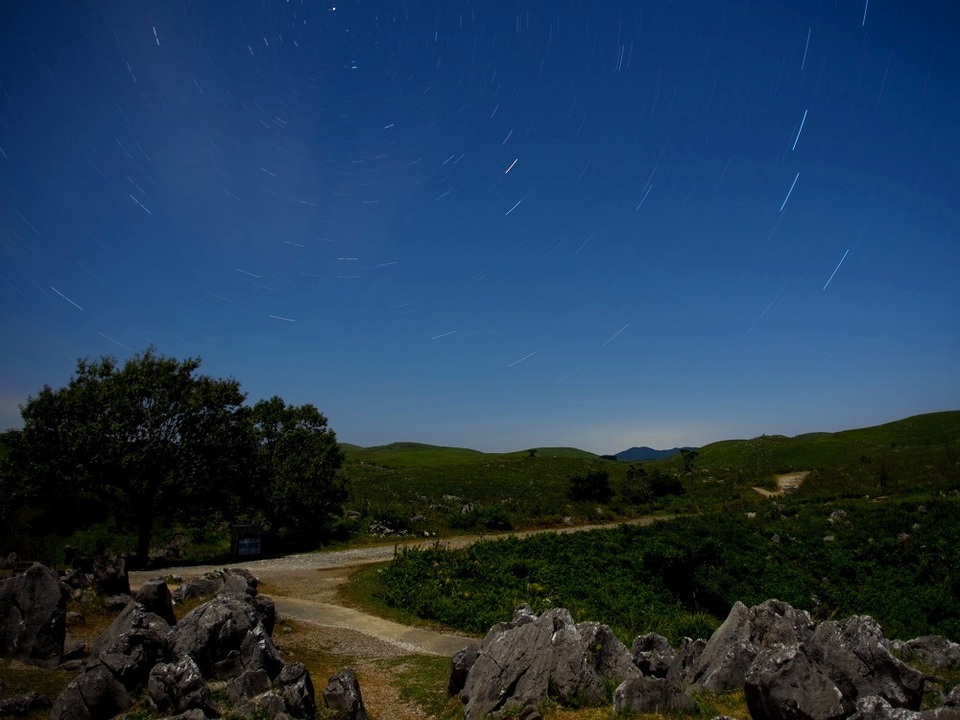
pixel 493 224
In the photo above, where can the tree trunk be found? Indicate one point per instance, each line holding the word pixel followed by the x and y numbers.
pixel 144 532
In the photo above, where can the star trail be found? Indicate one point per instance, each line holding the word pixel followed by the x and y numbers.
pixel 429 219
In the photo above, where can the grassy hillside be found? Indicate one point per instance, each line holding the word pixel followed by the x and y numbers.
pixel 459 490
pixel 456 489
pixel 935 435
pixel 874 529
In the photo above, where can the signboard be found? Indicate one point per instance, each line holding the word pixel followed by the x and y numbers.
pixel 245 541
pixel 248 546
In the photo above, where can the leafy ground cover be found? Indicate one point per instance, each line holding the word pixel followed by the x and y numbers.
pixel 898 561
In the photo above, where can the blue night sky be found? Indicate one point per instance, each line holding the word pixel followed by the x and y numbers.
pixel 493 224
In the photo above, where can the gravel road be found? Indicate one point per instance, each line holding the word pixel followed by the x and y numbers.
pixel 304 587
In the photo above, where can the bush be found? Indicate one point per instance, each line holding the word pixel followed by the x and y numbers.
pixel 591 486
pixel 491 517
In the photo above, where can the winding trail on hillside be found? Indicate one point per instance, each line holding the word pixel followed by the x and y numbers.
pixel 786 484
pixel 304 586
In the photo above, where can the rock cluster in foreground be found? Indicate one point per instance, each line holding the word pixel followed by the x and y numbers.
pixel 173 666
pixel 789 668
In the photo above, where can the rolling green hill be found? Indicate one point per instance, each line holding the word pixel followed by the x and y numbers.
pixel 874 528
pixel 456 489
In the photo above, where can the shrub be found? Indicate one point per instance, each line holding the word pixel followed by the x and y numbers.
pixel 591 486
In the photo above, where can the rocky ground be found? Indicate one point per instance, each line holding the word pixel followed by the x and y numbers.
pixel 333 634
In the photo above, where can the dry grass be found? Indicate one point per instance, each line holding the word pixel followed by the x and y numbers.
pixel 18 678
pixel 394 684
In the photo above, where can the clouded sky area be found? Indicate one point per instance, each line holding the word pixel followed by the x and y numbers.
pixel 493 224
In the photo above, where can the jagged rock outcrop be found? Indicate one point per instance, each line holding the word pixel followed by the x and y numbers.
pixel 856 657
pixel 549 657
pixel 178 687
pixel 233 582
pixel 783 684
pixel 686 658
pixel 342 695
pixel 135 641
pixel 33 612
pixel 734 646
pixel 225 637
pixel 228 581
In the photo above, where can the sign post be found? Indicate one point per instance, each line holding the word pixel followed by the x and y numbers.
pixel 245 541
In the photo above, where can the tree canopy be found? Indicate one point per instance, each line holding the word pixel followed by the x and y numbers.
pixel 156 441
pixel 299 461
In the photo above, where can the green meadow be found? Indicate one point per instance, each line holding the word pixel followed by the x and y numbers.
pixel 872 529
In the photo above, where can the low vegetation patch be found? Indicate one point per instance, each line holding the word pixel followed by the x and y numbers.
pixel 898 561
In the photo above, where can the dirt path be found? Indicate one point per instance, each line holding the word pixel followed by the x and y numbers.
pixel 785 484
pixel 405 637
pixel 304 587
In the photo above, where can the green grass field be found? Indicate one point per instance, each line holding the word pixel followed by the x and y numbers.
pixel 451 490
pixel 874 528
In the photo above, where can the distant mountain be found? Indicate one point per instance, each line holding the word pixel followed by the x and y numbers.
pixel 648 453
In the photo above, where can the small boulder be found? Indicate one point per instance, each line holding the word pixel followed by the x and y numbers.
pixel 77 580
pixel 460 665
pixel 874 707
pixel 266 610
pixel 94 695
pixel 342 695
pixel 154 596
pixel 523 615
pixel 934 650
pixel 856 657
pixel 650 694
pixel 295 687
pixel 265 705
pixel 110 575
pixel 782 684
pixel 73 648
pixel 33 616
pixel 133 617
pixel 22 704
pixel 248 684
pixel 652 654
pixel 116 602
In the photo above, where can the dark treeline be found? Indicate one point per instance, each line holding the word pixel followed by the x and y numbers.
pixel 154 445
